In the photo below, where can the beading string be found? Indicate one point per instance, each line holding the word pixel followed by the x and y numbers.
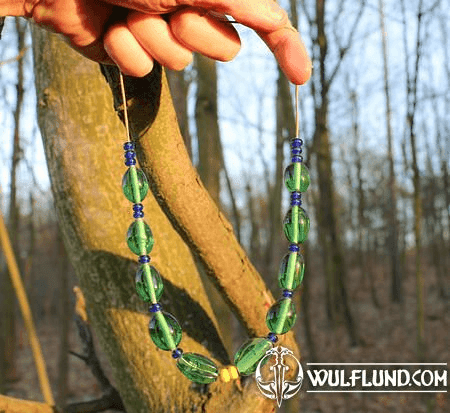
pixel 165 331
pixel 125 109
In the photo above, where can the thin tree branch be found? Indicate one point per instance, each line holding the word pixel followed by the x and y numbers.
pixel 344 49
pixel 13 405
pixel 111 398
pixel 15 58
pixel 19 289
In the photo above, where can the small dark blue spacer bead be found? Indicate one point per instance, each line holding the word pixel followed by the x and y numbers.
pixel 296 202
pixel 130 162
pixel 128 146
pixel 296 195
pixel 296 143
pixel 138 214
pixel 294 248
pixel 288 293
pixel 272 337
pixel 297 159
pixel 296 151
pixel 177 353
pixel 144 259
pixel 130 154
pixel 138 207
pixel 154 308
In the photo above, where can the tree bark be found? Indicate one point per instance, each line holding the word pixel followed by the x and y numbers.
pixel 335 266
pixel 13 405
pixel 411 94
pixel 396 276
pixel 64 324
pixel 76 125
pixel 179 90
pixel 210 165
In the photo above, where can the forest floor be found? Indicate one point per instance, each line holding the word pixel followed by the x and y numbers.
pixel 388 334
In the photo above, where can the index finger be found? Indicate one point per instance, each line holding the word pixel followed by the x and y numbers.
pixel 271 23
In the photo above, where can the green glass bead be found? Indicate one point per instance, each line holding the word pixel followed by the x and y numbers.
pixel 165 331
pixel 140 238
pixel 145 274
pixel 303 226
pixel 138 177
pixel 281 316
pixel 303 178
pixel 299 271
pixel 250 353
pixel 198 368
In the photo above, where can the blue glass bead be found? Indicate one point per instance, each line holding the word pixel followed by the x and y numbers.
pixel 155 307
pixel 296 195
pixel 128 146
pixel 138 214
pixel 297 159
pixel 294 248
pixel 294 202
pixel 130 154
pixel 138 207
pixel 272 337
pixel 144 259
pixel 287 293
pixel 130 162
pixel 296 151
pixel 177 353
pixel 296 143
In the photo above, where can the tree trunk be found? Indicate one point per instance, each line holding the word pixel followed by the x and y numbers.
pixel 76 125
pixel 9 302
pixel 179 92
pixel 64 323
pixel 335 266
pixel 396 277
pixel 411 93
pixel 210 164
pixel 284 129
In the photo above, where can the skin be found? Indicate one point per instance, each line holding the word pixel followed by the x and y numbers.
pixel 135 33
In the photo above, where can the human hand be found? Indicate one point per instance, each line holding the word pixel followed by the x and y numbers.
pixel 138 32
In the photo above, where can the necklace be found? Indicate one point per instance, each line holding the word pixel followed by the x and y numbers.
pixel 165 331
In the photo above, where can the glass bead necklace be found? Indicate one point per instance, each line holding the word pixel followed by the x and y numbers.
pixel 165 331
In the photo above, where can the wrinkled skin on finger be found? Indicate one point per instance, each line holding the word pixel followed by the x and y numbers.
pixel 135 33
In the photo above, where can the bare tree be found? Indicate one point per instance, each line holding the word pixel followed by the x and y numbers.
pixel 329 235
pixel 396 276
pixel 85 187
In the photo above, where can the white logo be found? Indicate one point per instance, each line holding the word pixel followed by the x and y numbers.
pixel 279 388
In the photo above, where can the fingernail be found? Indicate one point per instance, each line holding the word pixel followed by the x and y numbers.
pixel 276 12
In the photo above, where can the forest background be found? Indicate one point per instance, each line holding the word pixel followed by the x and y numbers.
pixel 375 118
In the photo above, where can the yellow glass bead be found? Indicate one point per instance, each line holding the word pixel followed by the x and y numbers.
pixel 225 375
pixel 233 372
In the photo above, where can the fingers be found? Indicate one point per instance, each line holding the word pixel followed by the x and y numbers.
pixel 154 35
pixel 263 15
pixel 290 52
pixel 204 34
pixel 125 50
pixel 143 38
